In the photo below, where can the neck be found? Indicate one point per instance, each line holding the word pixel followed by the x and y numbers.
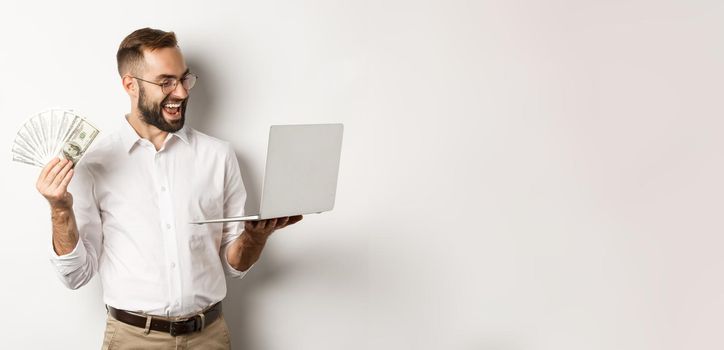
pixel 147 131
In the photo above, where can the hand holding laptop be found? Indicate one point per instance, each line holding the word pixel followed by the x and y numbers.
pixel 260 230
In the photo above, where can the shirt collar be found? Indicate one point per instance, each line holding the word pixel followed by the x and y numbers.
pixel 129 136
pixel 183 134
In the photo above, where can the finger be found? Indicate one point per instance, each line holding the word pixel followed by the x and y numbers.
pixel 66 180
pixel 49 166
pixel 282 222
pixel 252 225
pixel 259 225
pixel 61 174
pixel 271 223
pixel 54 172
pixel 43 174
pixel 295 219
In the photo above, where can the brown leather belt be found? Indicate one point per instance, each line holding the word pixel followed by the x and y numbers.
pixel 177 327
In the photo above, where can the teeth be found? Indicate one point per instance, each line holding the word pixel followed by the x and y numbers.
pixel 172 105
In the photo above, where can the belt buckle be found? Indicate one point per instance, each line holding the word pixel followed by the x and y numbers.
pixel 199 321
pixel 177 327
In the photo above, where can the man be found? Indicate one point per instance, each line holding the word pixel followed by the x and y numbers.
pixel 133 197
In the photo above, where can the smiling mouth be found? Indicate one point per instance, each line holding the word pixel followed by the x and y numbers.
pixel 173 109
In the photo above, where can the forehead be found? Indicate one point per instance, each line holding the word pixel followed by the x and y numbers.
pixel 167 61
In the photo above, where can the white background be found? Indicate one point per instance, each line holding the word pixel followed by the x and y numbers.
pixel 515 174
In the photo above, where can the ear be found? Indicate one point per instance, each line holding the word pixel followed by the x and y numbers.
pixel 130 85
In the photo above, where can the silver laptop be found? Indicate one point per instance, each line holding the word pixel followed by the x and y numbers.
pixel 302 164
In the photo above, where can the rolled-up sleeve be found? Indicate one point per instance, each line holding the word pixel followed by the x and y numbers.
pixel 76 268
pixel 234 200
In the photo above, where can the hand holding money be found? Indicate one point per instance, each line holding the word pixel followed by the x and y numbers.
pixel 53 183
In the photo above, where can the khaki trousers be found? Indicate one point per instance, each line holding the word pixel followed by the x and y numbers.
pixel 121 336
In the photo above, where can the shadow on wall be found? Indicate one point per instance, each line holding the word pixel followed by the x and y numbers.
pixel 202 109
pixel 240 294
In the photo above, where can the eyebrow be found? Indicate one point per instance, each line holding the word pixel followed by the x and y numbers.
pixel 160 76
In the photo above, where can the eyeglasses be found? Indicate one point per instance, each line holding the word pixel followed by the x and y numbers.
pixel 170 84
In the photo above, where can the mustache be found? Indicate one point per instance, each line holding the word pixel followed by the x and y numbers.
pixel 171 100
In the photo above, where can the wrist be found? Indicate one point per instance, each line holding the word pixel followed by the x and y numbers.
pixel 60 209
pixel 244 251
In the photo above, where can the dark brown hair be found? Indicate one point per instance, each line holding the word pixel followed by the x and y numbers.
pixel 130 52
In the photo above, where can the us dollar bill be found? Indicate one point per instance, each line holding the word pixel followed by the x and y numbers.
pixel 78 141
pixel 53 133
pixel 27 160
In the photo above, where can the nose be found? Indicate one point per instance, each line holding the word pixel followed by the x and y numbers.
pixel 180 92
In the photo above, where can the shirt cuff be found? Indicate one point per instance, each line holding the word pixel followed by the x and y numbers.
pixel 66 264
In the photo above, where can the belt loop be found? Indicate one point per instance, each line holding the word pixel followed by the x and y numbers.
pixel 203 321
pixel 148 325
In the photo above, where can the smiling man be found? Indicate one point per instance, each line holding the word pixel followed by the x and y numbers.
pixel 133 197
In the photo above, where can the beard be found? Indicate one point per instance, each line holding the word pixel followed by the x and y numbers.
pixel 152 114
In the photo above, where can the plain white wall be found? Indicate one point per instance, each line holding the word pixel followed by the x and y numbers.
pixel 515 174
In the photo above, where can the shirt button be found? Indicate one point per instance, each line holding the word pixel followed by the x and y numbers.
pixel 168 226
pixel 173 265
pixel 163 188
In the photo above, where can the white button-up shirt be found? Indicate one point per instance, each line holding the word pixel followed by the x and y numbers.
pixel 133 206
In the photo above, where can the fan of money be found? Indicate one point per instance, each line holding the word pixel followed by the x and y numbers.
pixel 53 133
